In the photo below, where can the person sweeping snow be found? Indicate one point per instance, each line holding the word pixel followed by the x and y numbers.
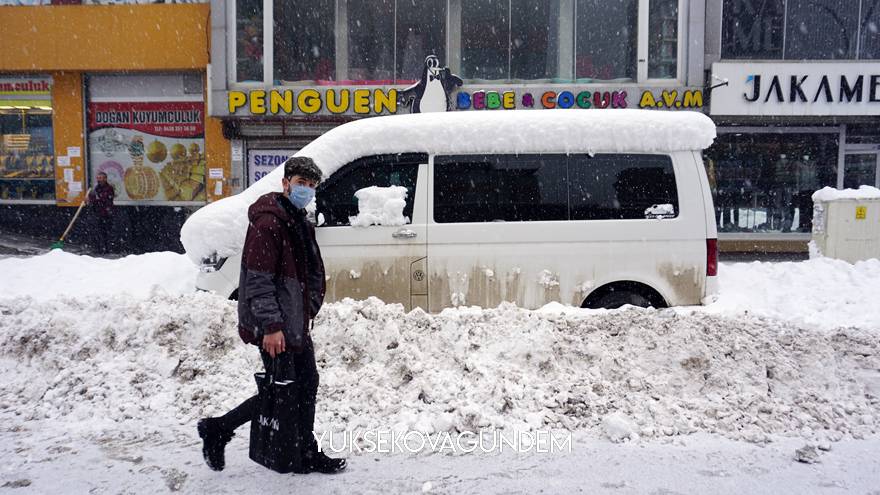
pixel 281 289
pixel 101 201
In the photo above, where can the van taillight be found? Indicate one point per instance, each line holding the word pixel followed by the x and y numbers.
pixel 711 257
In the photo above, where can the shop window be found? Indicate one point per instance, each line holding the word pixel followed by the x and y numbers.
pixel 620 186
pixel 370 41
pixel 606 39
pixel 485 39
pixel 500 188
pixel 505 39
pixel 335 198
pixel 821 29
pixel 859 169
pixel 764 182
pixel 421 31
pixel 534 39
pixel 385 35
pixel 146 133
pixel 869 29
pixel 663 39
pixel 862 134
pixel 305 44
pixel 752 29
pixel 804 29
pixel 249 40
pixel 27 157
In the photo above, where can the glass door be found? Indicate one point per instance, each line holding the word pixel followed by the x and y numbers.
pixel 860 169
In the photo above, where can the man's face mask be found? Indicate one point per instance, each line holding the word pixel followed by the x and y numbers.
pixel 301 195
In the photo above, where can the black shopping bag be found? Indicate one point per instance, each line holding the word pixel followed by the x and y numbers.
pixel 275 440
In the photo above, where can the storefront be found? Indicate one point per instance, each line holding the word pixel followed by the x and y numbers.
pixel 283 73
pixel 118 89
pixel 811 126
pixel 797 103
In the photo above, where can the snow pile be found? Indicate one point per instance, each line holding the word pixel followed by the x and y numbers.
pixel 618 428
pixel 831 194
pixel 58 273
pixel 822 293
pixel 221 226
pixel 624 374
pixel 380 206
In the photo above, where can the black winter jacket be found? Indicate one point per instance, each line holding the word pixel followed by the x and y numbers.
pixel 282 285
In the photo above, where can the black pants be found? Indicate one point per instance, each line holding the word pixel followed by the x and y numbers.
pixel 103 232
pixel 302 369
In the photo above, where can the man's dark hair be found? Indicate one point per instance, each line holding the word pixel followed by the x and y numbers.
pixel 304 167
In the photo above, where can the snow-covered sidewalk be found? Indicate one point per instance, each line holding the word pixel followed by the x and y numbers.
pixel 106 365
pixel 50 460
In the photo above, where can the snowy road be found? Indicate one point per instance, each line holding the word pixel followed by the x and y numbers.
pixel 106 365
pixel 52 461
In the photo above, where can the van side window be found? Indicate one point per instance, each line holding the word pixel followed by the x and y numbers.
pixel 605 186
pixel 335 197
pixel 491 188
pixel 619 186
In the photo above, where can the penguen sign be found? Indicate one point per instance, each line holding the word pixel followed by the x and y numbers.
pixel 311 101
pixel 384 100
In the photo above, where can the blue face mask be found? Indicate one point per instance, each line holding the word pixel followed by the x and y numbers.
pixel 301 195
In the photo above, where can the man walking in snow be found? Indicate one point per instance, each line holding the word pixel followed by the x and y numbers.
pixel 281 288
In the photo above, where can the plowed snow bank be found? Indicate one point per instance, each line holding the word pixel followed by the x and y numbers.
pixel 665 373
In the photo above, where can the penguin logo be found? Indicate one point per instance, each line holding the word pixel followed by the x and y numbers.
pixel 431 93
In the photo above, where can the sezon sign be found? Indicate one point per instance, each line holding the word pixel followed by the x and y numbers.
pixel 796 89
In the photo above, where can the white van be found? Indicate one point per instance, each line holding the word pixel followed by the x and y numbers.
pixel 589 208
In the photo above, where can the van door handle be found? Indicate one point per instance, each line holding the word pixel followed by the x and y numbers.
pixel 404 234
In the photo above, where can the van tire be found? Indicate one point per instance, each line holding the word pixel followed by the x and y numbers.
pixel 234 295
pixel 616 299
pixel 615 295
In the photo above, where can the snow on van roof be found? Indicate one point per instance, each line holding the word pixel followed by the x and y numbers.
pixel 515 131
pixel 221 226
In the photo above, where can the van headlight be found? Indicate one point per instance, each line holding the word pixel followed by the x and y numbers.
pixel 212 263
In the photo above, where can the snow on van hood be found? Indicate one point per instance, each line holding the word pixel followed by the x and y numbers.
pixel 221 226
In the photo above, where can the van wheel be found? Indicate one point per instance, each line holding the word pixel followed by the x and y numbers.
pixel 616 299
pixel 234 295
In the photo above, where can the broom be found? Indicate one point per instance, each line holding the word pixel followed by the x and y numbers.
pixel 59 244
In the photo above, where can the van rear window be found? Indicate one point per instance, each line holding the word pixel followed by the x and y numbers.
pixel 491 188
pixel 619 186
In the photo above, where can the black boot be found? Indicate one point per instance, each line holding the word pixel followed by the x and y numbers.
pixel 318 462
pixel 214 443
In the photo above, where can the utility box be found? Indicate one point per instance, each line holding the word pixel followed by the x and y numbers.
pixel 846 223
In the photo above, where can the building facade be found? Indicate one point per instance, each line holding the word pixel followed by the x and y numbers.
pixel 184 104
pixel 282 73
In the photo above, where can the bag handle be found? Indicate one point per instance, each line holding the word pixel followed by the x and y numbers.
pixel 273 371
